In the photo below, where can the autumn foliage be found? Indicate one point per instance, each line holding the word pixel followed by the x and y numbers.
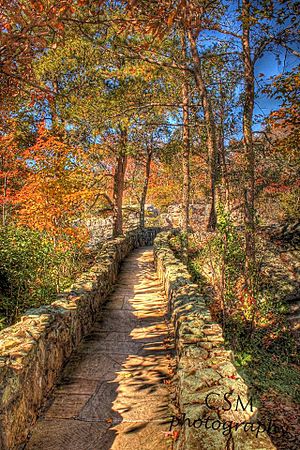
pixel 54 192
pixel 13 171
pixel 106 107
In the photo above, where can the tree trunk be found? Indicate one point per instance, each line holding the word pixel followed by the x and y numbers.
pixel 4 201
pixel 186 182
pixel 118 189
pixel 210 130
pixel 249 188
pixel 145 188
pixel 222 154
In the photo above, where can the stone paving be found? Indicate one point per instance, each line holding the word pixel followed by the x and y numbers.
pixel 113 393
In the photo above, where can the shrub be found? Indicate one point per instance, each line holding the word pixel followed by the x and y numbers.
pixel 290 203
pixel 221 260
pixel 32 270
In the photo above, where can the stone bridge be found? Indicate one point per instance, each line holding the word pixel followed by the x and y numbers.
pixel 125 355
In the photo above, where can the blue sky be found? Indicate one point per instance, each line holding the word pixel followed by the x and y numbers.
pixel 270 66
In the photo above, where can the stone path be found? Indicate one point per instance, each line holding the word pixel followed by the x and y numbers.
pixel 113 392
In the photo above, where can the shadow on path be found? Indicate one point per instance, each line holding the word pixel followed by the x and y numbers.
pixel 112 393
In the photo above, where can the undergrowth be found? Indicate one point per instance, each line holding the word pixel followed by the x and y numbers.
pixel 33 269
pixel 255 328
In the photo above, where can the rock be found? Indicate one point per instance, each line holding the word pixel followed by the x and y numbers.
pixel 205 372
pixel 34 350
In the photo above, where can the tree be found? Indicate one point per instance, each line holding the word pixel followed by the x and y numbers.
pixel 55 192
pixel 186 183
pixel 101 98
pixel 259 18
pixel 192 17
pixel 119 181
pixel 28 28
pixel 249 188
pixel 13 171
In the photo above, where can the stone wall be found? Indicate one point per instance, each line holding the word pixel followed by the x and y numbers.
pixel 101 229
pixel 34 350
pixel 205 369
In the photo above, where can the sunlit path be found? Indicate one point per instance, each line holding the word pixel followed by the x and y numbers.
pixel 112 393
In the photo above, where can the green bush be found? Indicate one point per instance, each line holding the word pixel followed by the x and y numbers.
pixel 290 204
pixel 32 271
pixel 222 259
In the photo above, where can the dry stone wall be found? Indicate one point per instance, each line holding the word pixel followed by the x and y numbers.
pixel 34 350
pixel 211 395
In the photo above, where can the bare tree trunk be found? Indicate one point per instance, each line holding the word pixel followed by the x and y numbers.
pixel 118 189
pixel 223 166
pixel 224 171
pixel 210 130
pixel 4 201
pixel 145 187
pixel 249 189
pixel 186 182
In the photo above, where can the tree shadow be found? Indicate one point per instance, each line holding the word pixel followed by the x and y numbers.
pixel 113 383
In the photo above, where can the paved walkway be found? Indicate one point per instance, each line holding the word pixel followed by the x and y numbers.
pixel 113 392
